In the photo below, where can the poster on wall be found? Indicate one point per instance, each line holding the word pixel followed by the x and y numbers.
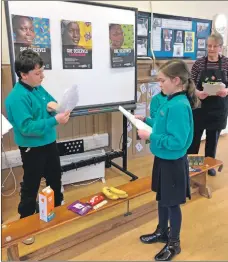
pixel 142 47
pixel 167 39
pixel 179 38
pixel 203 30
pixel 157 22
pixel 121 39
pixel 32 33
pixel 76 44
pixel 178 50
pixel 142 26
pixel 201 54
pixel 201 43
pixel 189 42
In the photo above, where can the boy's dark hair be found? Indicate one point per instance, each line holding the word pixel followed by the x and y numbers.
pixel 26 61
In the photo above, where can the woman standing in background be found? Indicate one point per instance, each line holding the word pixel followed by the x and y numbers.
pixel 212 116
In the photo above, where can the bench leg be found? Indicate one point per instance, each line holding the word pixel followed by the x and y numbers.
pixel 128 213
pixel 201 181
pixel 13 253
pixel 220 168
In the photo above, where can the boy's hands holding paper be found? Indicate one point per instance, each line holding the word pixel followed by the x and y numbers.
pixel 62 118
pixel 52 106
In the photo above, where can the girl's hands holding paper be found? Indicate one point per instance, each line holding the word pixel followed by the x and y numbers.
pixel 145 135
pixel 140 117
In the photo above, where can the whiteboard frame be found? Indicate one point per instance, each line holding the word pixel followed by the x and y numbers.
pixel 83 110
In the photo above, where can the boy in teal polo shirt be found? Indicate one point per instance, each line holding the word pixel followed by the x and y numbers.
pixel 34 131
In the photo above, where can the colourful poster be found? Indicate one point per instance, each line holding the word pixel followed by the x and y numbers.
pixel 121 38
pixel 76 44
pixel 189 42
pixel 32 33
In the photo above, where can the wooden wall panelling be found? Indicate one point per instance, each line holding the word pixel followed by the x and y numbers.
pixel 102 118
pixel 89 125
pixel 136 141
pixel 65 131
pixel 76 127
pixel 130 147
pixel 6 87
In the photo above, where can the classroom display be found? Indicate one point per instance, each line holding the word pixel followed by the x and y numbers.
pixel 175 36
pixel 121 45
pixel 70 40
pixel 76 44
pixel 29 32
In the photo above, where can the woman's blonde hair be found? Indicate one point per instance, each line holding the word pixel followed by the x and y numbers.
pixel 217 38
pixel 178 68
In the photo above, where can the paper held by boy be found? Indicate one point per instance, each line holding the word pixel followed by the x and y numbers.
pixel 136 122
pixel 213 88
pixel 69 101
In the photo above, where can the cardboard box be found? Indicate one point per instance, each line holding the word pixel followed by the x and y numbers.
pixel 46 204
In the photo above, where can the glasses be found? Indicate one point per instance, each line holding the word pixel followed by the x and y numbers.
pixel 213 46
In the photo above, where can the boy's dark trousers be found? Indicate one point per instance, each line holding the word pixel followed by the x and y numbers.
pixel 39 162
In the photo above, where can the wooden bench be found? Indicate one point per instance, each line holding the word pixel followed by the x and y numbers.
pixel 15 232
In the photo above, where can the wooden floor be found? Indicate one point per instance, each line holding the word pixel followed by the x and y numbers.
pixel 204 230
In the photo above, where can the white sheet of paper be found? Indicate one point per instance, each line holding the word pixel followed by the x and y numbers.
pixel 212 89
pixel 138 95
pixel 6 126
pixel 129 141
pixel 139 147
pixel 129 126
pixel 140 125
pixel 69 100
pixel 143 88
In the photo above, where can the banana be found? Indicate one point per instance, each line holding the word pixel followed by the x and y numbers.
pixel 106 191
pixel 117 191
pixel 123 196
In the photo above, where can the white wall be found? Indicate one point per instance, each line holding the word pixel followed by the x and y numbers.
pixel 198 9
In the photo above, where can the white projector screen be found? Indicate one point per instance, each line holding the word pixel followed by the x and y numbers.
pixel 100 86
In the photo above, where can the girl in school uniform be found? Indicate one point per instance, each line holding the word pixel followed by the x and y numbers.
pixel 171 137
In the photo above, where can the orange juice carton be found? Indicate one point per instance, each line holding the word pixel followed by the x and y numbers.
pixel 46 204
